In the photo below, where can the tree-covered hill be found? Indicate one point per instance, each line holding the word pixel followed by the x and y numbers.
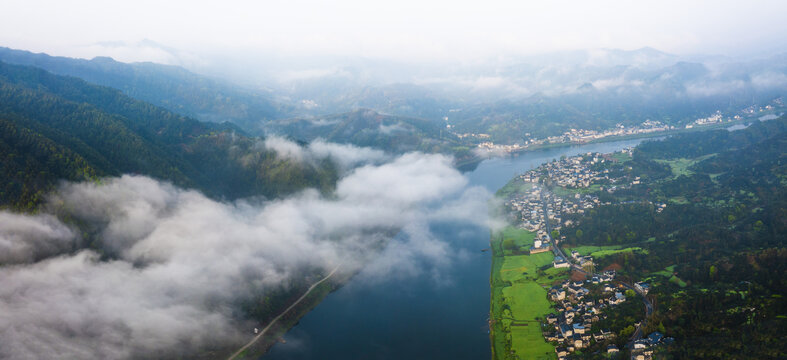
pixel 710 215
pixel 365 127
pixel 57 127
pixel 170 87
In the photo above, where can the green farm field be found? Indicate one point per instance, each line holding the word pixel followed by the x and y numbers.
pixel 519 298
pixel 599 251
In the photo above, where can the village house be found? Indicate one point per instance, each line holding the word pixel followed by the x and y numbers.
pixel 561 351
pixel 643 287
pixel 557 294
pixel 559 262
pixel 540 246
pixel 566 330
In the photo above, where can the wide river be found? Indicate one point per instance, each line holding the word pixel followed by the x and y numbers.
pixel 426 316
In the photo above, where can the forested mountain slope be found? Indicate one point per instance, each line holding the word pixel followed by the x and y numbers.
pixel 366 127
pixel 170 87
pixel 57 127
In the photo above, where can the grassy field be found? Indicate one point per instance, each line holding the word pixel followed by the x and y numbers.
pixel 497 336
pixel 527 301
pixel 523 338
pixel 602 253
pixel 678 200
pixel 523 267
pixel 621 157
pixel 565 192
pixel 555 274
pixel 521 237
pixel 599 251
pixel 681 166
pixel 519 298
pixel 668 273
pixel 677 281
pixel 514 186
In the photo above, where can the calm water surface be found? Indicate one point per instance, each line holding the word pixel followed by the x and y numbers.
pixel 429 316
pixel 747 124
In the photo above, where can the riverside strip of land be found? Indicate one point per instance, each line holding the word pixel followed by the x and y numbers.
pixel 240 352
pixel 519 297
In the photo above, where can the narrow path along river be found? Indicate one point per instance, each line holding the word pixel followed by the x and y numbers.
pixel 435 314
pixel 273 322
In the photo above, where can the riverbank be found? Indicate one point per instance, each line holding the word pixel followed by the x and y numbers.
pixel 469 164
pixel 518 303
pixel 290 317
pixel 264 335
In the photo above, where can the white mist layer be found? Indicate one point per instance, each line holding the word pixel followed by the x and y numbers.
pixel 177 263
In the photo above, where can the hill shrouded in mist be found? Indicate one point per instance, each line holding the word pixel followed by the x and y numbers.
pixel 62 128
pixel 368 128
pixel 542 95
pixel 170 87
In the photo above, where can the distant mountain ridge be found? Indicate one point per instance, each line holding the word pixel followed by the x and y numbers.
pixel 170 87
pixel 511 99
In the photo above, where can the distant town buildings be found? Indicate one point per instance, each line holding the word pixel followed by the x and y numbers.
pixel 582 136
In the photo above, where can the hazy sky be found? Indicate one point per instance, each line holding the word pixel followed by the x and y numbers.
pixel 399 30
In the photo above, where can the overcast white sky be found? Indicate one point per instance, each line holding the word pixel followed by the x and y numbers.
pixel 400 30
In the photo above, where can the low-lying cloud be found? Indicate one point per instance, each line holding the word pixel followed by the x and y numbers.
pixel 345 155
pixel 24 238
pixel 167 267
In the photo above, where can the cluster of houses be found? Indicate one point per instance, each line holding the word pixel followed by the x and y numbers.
pixel 576 136
pixel 582 136
pixel 713 119
pixel 575 172
pixel 579 204
pixel 755 109
pixel 560 262
pixel 644 348
pixel 577 313
pixel 586 261
pixel 530 210
pixel 749 111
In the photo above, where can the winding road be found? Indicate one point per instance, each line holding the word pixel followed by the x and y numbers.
pixel 262 333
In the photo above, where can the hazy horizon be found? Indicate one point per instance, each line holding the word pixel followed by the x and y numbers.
pixel 204 35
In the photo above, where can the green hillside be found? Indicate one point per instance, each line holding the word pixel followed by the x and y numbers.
pixel 364 127
pixel 57 127
pixel 170 87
